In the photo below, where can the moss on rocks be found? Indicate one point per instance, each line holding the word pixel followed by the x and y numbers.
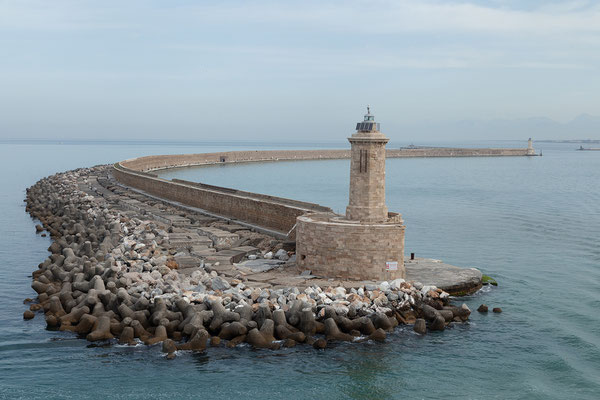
pixel 488 280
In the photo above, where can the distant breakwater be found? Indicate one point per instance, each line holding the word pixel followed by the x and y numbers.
pixel 277 215
pixel 158 162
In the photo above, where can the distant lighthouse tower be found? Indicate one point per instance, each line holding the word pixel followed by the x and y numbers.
pixel 367 172
pixel 530 150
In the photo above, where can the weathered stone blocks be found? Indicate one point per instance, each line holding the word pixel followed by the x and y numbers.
pixel 336 248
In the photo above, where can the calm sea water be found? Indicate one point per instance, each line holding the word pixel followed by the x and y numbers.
pixel 532 223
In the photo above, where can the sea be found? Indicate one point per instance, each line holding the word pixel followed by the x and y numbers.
pixel 532 223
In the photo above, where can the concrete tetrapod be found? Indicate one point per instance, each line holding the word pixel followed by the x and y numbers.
pixel 139 331
pixel 221 315
pixel 231 330
pixel 236 340
pixel 380 320
pixel 294 312
pixel 169 347
pixel 283 330
pixel 68 321
pixel 85 325
pixel 127 336
pixel 160 334
pixel 262 314
pixel 101 331
pixel 420 326
pixel 363 324
pixel 197 343
pixel 307 322
pixel 262 338
pixel 332 332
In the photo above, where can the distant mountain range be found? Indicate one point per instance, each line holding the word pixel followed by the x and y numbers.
pixel 584 126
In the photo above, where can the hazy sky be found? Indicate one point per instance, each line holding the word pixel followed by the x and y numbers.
pixel 204 70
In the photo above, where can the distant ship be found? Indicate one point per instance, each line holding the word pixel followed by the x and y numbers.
pixel 589 148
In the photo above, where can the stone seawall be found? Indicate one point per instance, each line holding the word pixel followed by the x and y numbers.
pixel 265 211
pixel 270 212
pixel 153 163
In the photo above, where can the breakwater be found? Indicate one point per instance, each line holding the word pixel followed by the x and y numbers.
pixel 129 268
pixel 152 163
pixel 274 213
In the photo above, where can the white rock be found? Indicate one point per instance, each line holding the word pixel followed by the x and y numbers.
pixel 381 301
pixel 128 244
pixel 264 294
pixel 218 283
pixel 158 260
pixel 395 284
pixel 426 289
pixel 340 309
pixel 383 310
pixel 147 266
pixel 268 255
pixel 282 255
pixel 137 267
pixel 156 275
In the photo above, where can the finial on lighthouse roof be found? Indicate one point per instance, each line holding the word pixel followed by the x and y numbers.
pixel 368 124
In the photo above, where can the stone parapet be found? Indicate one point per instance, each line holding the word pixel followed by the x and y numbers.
pixel 269 212
pixel 152 163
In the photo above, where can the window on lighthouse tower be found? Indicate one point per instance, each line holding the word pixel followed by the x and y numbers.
pixel 363 160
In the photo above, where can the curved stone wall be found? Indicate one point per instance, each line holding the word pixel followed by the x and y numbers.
pixel 152 163
pixel 271 212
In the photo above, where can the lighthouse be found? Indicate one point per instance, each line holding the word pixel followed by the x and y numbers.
pixel 530 150
pixel 367 172
pixel 367 243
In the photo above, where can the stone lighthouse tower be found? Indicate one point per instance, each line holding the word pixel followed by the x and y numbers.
pixel 368 242
pixel 367 172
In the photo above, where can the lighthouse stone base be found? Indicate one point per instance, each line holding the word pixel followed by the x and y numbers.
pixel 334 247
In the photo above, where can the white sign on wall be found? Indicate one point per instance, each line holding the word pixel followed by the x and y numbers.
pixel 391 266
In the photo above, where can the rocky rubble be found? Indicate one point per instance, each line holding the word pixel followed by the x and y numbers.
pixel 113 275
